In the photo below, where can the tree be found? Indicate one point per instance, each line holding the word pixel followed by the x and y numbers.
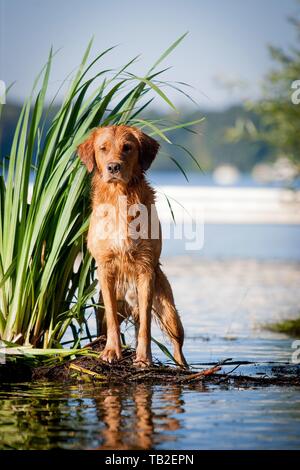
pixel 279 108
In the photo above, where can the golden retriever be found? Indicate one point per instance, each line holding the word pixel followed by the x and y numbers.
pixel 124 237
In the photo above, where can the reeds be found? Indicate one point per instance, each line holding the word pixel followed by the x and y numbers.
pixel 44 207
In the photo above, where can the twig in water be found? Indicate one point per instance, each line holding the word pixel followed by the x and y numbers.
pixel 203 373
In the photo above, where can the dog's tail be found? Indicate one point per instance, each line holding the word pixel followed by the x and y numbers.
pixel 167 315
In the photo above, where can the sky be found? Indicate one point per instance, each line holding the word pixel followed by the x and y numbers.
pixel 226 44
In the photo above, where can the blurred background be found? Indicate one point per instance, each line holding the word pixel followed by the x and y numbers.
pixel 239 64
pixel 236 68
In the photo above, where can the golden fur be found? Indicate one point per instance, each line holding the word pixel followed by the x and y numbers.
pixel 131 280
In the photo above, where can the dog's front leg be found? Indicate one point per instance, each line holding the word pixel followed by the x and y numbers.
pixel 145 283
pixel 112 349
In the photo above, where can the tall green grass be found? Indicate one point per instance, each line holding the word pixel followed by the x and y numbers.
pixel 44 207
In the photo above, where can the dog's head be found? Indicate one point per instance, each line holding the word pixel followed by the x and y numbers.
pixel 118 152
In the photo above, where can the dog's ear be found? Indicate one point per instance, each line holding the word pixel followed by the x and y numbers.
pixel 148 148
pixel 86 152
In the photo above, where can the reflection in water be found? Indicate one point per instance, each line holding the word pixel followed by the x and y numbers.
pixel 44 416
pixel 50 416
pixel 137 429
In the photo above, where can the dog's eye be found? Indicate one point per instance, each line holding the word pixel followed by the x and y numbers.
pixel 103 148
pixel 126 147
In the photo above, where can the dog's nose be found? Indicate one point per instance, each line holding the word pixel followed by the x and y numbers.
pixel 113 167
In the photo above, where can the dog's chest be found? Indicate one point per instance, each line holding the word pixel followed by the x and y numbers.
pixel 110 231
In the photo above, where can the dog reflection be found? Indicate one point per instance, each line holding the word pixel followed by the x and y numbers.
pixel 132 421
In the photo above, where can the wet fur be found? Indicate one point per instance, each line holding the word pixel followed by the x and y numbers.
pixel 131 280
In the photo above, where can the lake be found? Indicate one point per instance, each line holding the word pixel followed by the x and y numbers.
pixel 244 276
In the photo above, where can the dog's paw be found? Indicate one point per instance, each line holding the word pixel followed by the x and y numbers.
pixel 142 361
pixel 111 354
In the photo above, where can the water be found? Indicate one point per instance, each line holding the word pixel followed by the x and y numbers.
pixel 223 304
pixel 255 241
pixel 158 178
pixel 245 277
pixel 44 416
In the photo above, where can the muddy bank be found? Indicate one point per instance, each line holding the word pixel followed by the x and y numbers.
pixel 90 368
